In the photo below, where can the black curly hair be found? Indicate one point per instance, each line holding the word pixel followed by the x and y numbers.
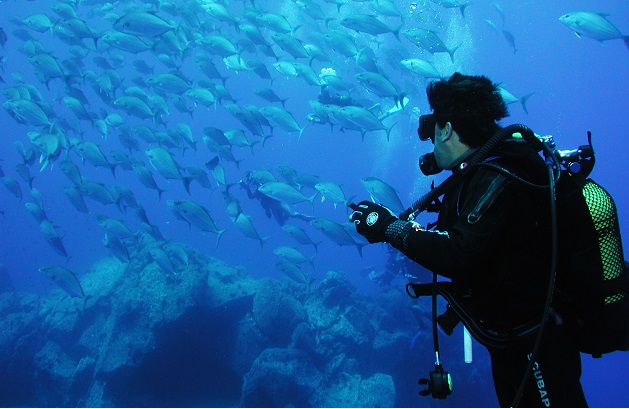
pixel 471 103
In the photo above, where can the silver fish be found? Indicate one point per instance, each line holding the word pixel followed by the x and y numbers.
pixel 12 185
pixel 245 225
pixel 127 42
pixel 300 235
pixel 336 233
pixel 146 178
pixel 160 257
pixel 164 163
pixel 593 25
pixel 143 24
pixel 292 255
pixel 280 117
pixel 382 192
pixel 428 40
pixel 196 215
pixel 451 4
pixel 367 23
pixel 169 82
pixel 76 198
pixel 117 247
pixel 509 98
pixel 36 211
pixel 284 193
pixel 91 152
pixel 363 119
pixel 96 191
pixel 28 111
pixel 135 106
pixel 293 271
pixel 65 279
pixel 332 192
pixel 379 85
pixel 114 227
pixel 421 67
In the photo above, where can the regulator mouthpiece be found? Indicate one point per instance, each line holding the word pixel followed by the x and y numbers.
pixel 428 164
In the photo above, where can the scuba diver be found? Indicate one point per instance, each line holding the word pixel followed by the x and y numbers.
pixel 276 209
pixel 492 240
pixel 335 98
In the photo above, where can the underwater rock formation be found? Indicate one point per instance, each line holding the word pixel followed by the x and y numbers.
pixel 201 334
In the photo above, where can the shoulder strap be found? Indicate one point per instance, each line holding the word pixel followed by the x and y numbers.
pixel 487 199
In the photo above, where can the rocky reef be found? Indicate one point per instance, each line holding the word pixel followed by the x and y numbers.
pixel 206 334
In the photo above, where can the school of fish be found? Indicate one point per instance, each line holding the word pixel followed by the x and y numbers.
pixel 184 55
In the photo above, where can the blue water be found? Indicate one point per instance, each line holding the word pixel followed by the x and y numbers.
pixel 579 85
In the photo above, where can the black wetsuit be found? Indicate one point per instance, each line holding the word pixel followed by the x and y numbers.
pixel 500 265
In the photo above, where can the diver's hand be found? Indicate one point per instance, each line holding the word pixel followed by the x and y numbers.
pixel 371 220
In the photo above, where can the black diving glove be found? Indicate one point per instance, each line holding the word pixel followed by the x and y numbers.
pixel 371 220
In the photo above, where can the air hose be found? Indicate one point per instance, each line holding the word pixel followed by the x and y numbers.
pixel 477 157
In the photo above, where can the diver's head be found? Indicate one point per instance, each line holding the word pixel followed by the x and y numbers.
pixel 466 109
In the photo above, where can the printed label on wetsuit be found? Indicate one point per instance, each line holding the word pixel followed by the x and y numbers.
pixel 539 380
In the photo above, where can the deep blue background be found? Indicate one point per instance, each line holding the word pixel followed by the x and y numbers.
pixel 579 85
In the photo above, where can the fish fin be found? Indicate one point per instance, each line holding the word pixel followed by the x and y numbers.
pixel 524 99
pixel 396 32
pixel 87 297
pixel 301 130
pixel 186 183
pixel 359 247
pixel 316 246
pixel 218 235
pixel 389 131
pixel 312 198
pixel 159 193
pixel 462 7
pixel 451 52
pixel 263 240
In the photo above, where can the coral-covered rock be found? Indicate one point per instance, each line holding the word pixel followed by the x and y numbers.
pixel 276 311
pixel 339 317
pixel 280 378
pixel 351 391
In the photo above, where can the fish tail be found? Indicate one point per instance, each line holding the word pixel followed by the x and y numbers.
pixel 311 199
pixel 462 7
pixel 451 52
pixel 263 240
pixel 264 138
pixel 87 297
pixel 159 193
pixel 396 32
pixel 237 162
pixel 218 235
pixel 186 183
pixel 316 246
pixel 301 130
pixel 523 101
pixel 389 131
pixel 311 260
pixel 251 146
pixel 359 247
